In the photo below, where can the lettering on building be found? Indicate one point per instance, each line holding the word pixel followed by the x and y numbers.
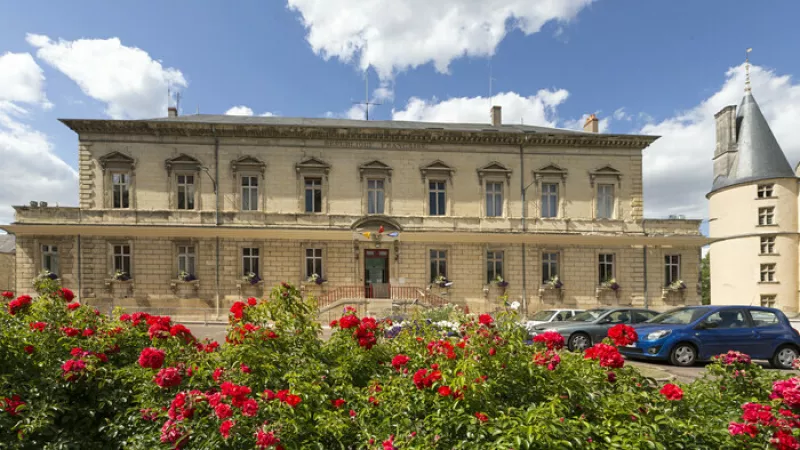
pixel 372 144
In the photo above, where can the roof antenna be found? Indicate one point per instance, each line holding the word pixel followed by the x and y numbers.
pixel 366 101
pixel 178 101
pixel 747 70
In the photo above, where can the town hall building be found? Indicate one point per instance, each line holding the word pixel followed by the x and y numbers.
pixel 204 210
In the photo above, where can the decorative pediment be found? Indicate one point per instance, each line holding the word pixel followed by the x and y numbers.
pixel 116 160
pixel 374 222
pixel 494 169
pixel 313 165
pixel 375 168
pixel 437 168
pixel 248 164
pixel 550 170
pixel 182 162
pixel 605 172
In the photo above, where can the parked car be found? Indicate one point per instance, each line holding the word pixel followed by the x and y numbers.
pixel 686 335
pixel 550 315
pixel 588 327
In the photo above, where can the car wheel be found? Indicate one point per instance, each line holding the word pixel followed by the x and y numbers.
pixel 580 342
pixel 784 357
pixel 683 355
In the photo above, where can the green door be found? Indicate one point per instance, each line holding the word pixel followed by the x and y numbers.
pixel 376 273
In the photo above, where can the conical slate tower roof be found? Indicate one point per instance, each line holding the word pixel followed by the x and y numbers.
pixel 758 154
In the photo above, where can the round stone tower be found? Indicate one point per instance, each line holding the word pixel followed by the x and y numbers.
pixel 753 206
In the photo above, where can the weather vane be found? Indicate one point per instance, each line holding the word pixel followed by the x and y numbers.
pixel 747 70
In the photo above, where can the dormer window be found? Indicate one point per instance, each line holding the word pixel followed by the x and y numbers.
pixel 765 190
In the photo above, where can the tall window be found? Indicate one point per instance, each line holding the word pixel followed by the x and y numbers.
pixel 50 258
pixel 605 201
pixel 438 263
pixel 313 195
pixel 767 301
pixel 766 215
pixel 767 244
pixel 250 261
pixel 186 259
pixel 549 266
pixel 120 190
pixel 605 266
pixel 122 259
pixel 494 265
pixel 494 199
pixel 375 196
pixel 765 190
pixel 185 191
pixel 249 193
pixel 437 202
pixel 549 200
pixel 313 261
pixel 767 273
pixel 672 269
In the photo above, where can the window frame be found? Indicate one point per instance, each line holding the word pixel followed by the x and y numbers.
pixel 47 250
pixel 122 255
pixel 771 300
pixel 767 273
pixel 313 185
pixel 380 206
pixel 375 170
pixel 611 207
pixel 190 191
pixel 125 189
pixel 551 174
pixel 248 191
pixel 187 258
pixel 553 200
pixel 316 259
pixel 766 216
pixel 604 176
pixel 313 169
pixel 245 258
pixel 497 193
pixel 438 172
pixel 601 263
pixel 495 258
pixel 550 258
pixel 249 166
pixel 764 191
pixel 767 245
pixel 439 191
pixel 441 259
pixel 669 264
pixel 117 163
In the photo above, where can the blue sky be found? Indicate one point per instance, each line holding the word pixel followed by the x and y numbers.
pixel 654 67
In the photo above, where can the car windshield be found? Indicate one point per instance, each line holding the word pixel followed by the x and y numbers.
pixel 588 316
pixel 543 315
pixel 682 316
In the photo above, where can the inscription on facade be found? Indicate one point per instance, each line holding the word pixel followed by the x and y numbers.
pixel 373 144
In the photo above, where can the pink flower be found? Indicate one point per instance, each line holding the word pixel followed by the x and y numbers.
pixel 671 392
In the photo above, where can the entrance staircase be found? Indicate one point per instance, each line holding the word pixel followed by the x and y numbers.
pixel 385 302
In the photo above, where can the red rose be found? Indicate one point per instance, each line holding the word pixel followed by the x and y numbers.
pixel 66 294
pixel 445 391
pixel 352 413
pixel 337 403
pixel 612 377
pixel 38 326
pixel 72 369
pixel 168 377
pixel 291 400
pixel 608 355
pixel 485 319
pixel 671 392
pixel 10 405
pixel 29 349
pixel 492 351
pixel 8 295
pixel 400 361
pixel 180 331
pixel 741 428
pixel 250 407
pixel 151 358
pixel 244 368
pixel 552 339
pixel 223 410
pixel 15 306
pixel 549 358
pixel 71 332
pixel 225 428
pixel 73 306
pixel 252 301
pixel 266 440
pixel 623 335
pixel 238 310
pixel 349 321
pixel 333 323
pixel 481 416
pixel 88 332
pixel 784 440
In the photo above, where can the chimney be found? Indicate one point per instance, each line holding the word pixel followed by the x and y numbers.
pixel 172 111
pixel 592 124
pixel 497 116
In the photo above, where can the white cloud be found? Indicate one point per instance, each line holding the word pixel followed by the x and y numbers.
pixel 394 35
pixel 678 168
pixel 242 110
pixel 538 109
pixel 621 114
pixel 31 171
pixel 131 83
pixel 239 111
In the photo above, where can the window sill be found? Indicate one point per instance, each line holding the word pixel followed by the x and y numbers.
pixel 769 282
pixel 769 254
pixel 766 198
pixel 767 225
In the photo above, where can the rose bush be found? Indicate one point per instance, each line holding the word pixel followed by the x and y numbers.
pixel 73 378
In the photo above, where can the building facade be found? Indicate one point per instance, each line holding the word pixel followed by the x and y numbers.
pixel 753 207
pixel 382 211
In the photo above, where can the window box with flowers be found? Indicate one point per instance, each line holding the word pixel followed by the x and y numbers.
pixel 676 288
pixel 442 282
pixel 185 285
pixel 120 285
pixel 314 283
pixel 251 283
pixel 555 285
pixel 609 285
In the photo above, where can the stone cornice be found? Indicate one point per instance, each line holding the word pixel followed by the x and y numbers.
pixel 451 137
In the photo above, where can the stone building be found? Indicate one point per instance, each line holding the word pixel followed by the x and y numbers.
pixel 381 210
pixel 753 223
pixel 8 264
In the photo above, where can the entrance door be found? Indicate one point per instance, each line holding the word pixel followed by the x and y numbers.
pixel 376 273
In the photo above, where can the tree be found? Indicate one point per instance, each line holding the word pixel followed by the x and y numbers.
pixel 705 279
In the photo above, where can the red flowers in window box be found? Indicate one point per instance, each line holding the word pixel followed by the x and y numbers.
pixel 623 335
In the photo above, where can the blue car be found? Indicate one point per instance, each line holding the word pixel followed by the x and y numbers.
pixel 686 335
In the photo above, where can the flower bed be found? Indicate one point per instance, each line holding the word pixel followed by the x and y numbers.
pixel 73 378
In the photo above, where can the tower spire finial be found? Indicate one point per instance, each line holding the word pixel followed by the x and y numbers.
pixel 747 70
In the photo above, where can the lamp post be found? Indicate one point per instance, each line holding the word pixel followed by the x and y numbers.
pixel 524 257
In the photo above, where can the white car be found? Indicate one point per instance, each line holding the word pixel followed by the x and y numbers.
pixel 550 315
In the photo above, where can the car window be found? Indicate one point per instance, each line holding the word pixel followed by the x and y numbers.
pixel 764 318
pixel 642 316
pixel 568 314
pixel 726 319
pixel 621 316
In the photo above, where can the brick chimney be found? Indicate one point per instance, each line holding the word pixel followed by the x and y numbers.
pixel 172 111
pixel 592 125
pixel 497 116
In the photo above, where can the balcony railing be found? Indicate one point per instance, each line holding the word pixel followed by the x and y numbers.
pixel 372 293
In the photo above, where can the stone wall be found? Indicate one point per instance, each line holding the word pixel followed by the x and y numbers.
pixel 8 271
